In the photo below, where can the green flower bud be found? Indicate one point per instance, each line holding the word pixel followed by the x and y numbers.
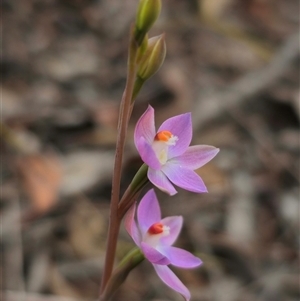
pixel 142 48
pixel 147 13
pixel 153 57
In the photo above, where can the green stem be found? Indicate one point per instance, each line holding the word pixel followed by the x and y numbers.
pixel 137 184
pixel 130 261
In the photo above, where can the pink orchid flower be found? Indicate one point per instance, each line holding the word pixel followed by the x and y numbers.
pixel 168 154
pixel 155 236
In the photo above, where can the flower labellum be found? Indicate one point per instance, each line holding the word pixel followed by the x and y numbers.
pixel 168 155
pixel 155 237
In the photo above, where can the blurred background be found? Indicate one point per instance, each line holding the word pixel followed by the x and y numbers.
pixel 233 64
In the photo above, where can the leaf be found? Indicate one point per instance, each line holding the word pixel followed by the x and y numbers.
pixel 41 178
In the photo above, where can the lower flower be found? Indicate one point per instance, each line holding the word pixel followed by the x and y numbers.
pixel 155 237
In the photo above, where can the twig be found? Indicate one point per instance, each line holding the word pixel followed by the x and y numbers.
pixel 265 144
pixel 252 83
pixel 210 106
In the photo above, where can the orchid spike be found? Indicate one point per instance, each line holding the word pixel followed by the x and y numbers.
pixel 168 154
pixel 155 236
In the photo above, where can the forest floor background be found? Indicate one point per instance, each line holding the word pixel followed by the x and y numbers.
pixel 233 64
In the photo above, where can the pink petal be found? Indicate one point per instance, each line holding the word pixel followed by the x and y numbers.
pixel 147 153
pixel 175 225
pixel 148 211
pixel 180 126
pixel 157 178
pixel 145 127
pixel 153 255
pixel 130 225
pixel 179 257
pixel 196 156
pixel 184 178
pixel 171 280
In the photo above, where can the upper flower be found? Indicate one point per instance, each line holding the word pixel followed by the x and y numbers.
pixel 155 236
pixel 168 154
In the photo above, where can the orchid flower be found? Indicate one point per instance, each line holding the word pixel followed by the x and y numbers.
pixel 168 154
pixel 155 236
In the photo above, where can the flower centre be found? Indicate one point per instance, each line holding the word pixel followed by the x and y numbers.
pixel 155 232
pixel 156 228
pixel 162 141
pixel 167 137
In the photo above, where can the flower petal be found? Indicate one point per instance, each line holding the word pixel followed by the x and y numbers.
pixel 147 153
pixel 145 127
pixel 157 178
pixel 171 280
pixel 180 126
pixel 175 224
pixel 179 257
pixel 153 255
pixel 148 211
pixel 130 225
pixel 184 178
pixel 196 156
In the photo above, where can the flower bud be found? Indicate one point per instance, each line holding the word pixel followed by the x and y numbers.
pixel 142 49
pixel 147 13
pixel 153 57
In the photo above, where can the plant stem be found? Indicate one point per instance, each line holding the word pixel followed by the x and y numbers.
pixel 129 262
pixel 139 181
pixel 115 220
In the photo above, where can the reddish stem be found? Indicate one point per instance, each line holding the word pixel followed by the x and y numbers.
pixel 115 220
